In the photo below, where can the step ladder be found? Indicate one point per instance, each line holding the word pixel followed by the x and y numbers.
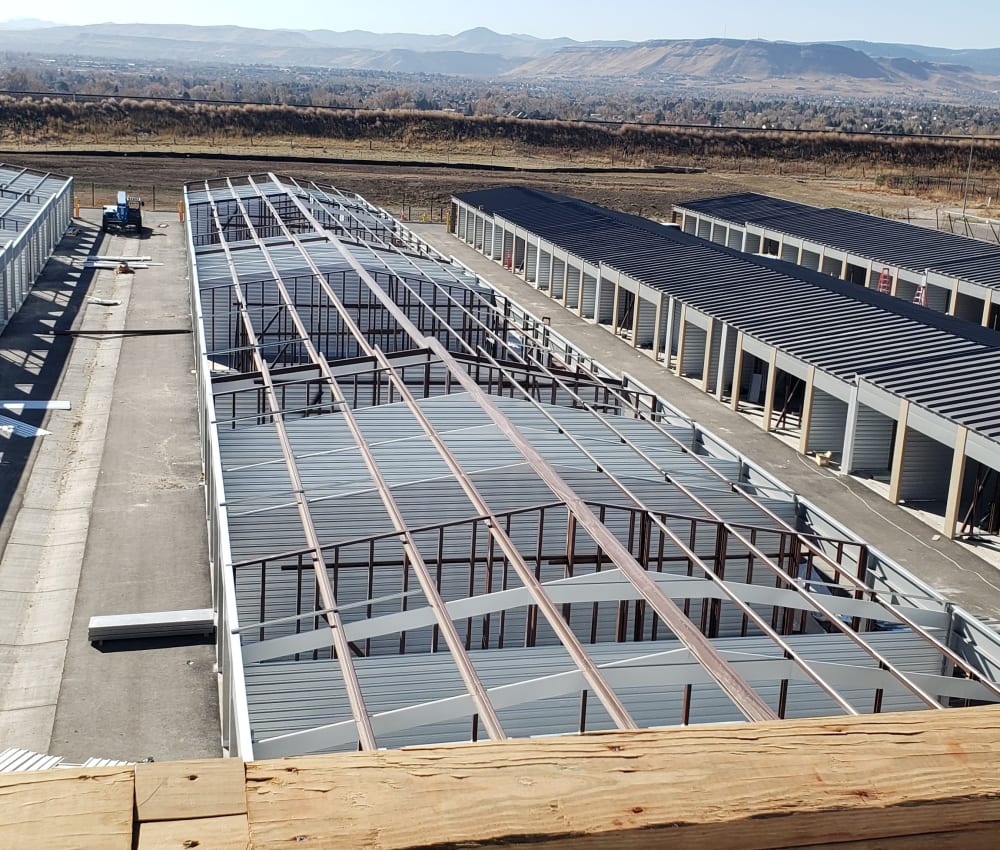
pixel 885 282
pixel 920 296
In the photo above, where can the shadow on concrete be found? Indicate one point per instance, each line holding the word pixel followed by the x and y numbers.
pixel 146 644
pixel 32 358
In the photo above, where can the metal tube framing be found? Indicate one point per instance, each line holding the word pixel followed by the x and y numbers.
pixel 479 332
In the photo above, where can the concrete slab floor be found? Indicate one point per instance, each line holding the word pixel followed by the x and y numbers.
pixel 954 569
pixel 110 507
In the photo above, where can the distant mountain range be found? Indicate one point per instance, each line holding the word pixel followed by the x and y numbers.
pixel 480 52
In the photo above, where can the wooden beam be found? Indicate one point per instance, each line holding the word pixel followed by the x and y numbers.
pixel 772 379
pixel 182 790
pixel 954 501
pixel 807 406
pixel 892 781
pixel 228 833
pixel 84 808
pixel 899 453
pixel 911 781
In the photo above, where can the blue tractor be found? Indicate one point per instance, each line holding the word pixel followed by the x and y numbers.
pixel 123 216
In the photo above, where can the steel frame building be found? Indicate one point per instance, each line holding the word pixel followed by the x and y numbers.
pixel 891 390
pixel 35 210
pixel 959 276
pixel 433 519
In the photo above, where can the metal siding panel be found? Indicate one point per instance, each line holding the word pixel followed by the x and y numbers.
pixel 828 423
pixel 872 441
pixel 926 468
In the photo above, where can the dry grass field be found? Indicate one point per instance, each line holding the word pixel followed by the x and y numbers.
pixel 419 182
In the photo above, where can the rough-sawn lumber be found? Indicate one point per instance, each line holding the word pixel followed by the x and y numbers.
pixel 891 779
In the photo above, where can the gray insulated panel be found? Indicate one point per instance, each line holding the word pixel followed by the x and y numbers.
pixel 828 422
pixel 287 697
pixel 573 279
pixel 872 441
pixel 693 356
pixel 926 469
pixel 587 305
pixel 646 327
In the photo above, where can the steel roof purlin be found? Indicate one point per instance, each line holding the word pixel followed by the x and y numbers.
pixel 428 524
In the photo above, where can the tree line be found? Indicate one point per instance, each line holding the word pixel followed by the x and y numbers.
pixel 118 120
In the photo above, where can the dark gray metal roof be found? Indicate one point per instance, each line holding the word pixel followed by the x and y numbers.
pixel 884 240
pixel 841 328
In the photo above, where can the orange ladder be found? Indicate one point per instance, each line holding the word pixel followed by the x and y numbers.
pixel 885 282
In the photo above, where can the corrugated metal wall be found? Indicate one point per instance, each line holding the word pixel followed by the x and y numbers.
pixel 572 287
pixel 727 363
pixel 480 227
pixel 589 296
pixel 558 278
pixel 25 251
pixel 693 356
pixel 810 260
pixel 828 421
pixel 488 239
pixel 715 351
pixel 926 468
pixel 607 305
pixel 832 266
pixel 872 441
pixel 531 262
pixel 938 299
pixel 969 308
pixel 544 270
pixel 647 324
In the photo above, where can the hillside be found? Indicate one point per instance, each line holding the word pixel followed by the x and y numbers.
pixel 724 62
pixel 986 61
pixel 850 69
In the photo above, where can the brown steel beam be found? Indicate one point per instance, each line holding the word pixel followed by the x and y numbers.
pixel 366 735
pixel 469 676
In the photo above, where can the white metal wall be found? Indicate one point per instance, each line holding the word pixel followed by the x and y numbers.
pixel 29 248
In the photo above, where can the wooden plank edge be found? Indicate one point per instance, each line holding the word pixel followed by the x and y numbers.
pixel 767 785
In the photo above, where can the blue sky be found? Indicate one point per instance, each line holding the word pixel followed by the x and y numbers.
pixel 967 23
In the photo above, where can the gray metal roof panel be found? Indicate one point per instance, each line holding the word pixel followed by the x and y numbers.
pixel 886 241
pixel 841 328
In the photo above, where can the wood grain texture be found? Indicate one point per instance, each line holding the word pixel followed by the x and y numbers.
pixel 767 785
pixel 182 790
pixel 225 833
pixel 83 809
